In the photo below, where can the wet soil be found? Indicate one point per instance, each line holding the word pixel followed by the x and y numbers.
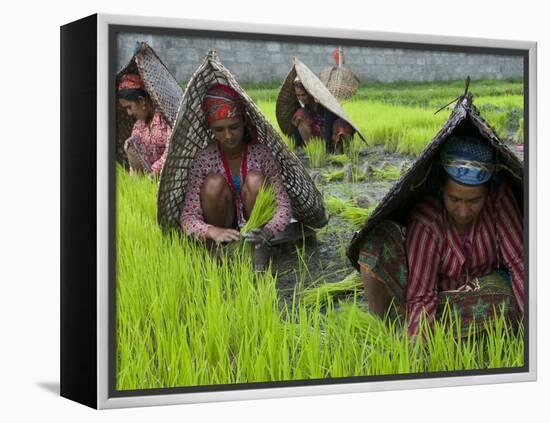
pixel 323 258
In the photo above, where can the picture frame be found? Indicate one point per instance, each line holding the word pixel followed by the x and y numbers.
pixel 88 206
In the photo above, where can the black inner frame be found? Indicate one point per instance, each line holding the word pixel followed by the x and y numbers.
pixel 114 30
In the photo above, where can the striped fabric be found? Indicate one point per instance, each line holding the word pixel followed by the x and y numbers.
pixel 439 260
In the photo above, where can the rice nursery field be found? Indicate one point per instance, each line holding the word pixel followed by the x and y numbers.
pixel 187 318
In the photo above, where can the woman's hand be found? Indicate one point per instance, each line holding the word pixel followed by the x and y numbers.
pixel 222 234
pixel 258 236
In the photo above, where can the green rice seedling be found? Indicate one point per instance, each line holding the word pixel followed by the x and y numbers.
pixel 413 140
pixel 385 124
pixel 518 136
pixel 387 172
pixel 497 120
pixel 500 102
pixel 357 215
pixel 433 94
pixel 322 293
pixel 335 175
pixel 290 143
pixel 187 318
pixel 339 159
pixel 339 175
pixel 352 148
pixel 347 210
pixel 316 151
pixel 264 209
pixel 336 205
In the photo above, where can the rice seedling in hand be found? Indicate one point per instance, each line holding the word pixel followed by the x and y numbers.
pixel 316 151
pixel 264 209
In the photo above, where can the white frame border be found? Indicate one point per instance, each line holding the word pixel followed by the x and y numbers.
pixel 103 400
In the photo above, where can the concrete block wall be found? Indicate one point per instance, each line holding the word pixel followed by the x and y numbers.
pixel 267 61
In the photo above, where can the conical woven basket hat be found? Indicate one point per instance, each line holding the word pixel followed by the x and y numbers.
pixel 159 83
pixel 191 134
pixel 340 81
pixel 287 103
pixel 421 179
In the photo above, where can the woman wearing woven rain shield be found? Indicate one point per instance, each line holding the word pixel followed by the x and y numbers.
pixel 314 120
pixel 463 245
pixel 226 176
pixel 150 133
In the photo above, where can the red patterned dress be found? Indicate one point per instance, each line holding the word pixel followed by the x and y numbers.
pixel 151 140
pixel 209 161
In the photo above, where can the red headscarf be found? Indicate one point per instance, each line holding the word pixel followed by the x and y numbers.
pixel 130 81
pixel 222 102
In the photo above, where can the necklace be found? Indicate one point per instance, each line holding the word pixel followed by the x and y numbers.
pixel 228 174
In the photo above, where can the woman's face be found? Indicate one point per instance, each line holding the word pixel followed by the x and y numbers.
pixel 229 132
pixel 137 109
pixel 303 96
pixel 463 203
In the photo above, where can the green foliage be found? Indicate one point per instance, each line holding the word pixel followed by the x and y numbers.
pixel 387 172
pixel 347 210
pixel 518 137
pixel 316 151
pixel 339 159
pixel 323 293
pixel 353 147
pixel 264 209
pixel 400 116
pixel 185 317
pixel 290 143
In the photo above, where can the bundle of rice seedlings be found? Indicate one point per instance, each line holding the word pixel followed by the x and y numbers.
pixel 335 175
pixel 518 136
pixel 264 209
pixel 348 211
pixel 339 159
pixel 324 293
pixel 387 172
pixel 356 215
pixel 316 151
pixel 340 174
pixel 352 148
pixel 290 143
pixel 335 205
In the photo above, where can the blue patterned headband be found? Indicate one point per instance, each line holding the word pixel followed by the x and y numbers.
pixel 468 160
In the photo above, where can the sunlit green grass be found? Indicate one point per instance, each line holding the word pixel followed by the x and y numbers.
pixel 400 116
pixel 186 318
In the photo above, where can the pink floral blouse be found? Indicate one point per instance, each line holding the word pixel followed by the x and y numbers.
pixel 209 161
pixel 151 140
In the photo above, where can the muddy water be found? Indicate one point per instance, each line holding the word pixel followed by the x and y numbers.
pixel 324 259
